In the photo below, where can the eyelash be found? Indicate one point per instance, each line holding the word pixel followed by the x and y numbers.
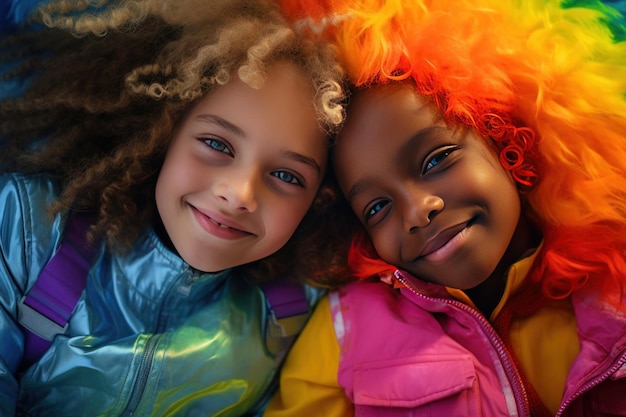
pixel 293 179
pixel 375 208
pixel 219 146
pixel 438 157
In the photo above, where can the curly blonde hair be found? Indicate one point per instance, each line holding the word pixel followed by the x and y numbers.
pixel 110 81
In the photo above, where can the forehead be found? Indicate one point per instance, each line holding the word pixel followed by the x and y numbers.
pixel 385 99
pixel 280 111
pixel 382 117
pixel 283 84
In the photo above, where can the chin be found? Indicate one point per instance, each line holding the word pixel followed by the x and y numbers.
pixel 200 264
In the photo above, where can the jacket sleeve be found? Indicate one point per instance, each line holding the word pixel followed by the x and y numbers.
pixel 16 273
pixel 308 380
pixel 11 289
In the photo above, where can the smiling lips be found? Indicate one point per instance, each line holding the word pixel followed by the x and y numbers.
pixel 219 226
pixel 444 243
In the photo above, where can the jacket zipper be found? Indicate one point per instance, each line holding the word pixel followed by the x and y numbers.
pixel 591 384
pixel 518 388
pixel 141 379
pixel 147 359
pixel 185 288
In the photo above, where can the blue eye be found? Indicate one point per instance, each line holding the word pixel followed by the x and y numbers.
pixel 376 208
pixel 287 177
pixel 437 158
pixel 218 145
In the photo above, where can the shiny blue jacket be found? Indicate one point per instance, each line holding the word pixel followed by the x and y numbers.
pixel 150 336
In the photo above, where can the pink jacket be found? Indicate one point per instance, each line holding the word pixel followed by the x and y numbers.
pixel 419 352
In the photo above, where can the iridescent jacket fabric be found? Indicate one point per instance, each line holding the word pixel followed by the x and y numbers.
pixel 149 337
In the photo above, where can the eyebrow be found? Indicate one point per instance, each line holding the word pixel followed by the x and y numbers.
pixel 304 159
pixel 407 147
pixel 211 118
pixel 356 189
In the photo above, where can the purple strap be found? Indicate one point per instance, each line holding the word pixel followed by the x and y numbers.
pixel 285 298
pixel 289 312
pixel 45 310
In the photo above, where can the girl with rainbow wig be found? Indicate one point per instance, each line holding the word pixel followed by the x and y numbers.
pixel 484 155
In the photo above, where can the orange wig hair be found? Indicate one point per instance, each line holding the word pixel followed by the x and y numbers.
pixel 542 79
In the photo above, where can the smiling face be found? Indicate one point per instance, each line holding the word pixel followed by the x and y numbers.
pixel 435 201
pixel 241 172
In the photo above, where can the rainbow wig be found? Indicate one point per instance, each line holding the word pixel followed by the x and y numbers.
pixel 545 80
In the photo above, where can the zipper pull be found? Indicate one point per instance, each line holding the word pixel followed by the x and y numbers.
pixel 185 288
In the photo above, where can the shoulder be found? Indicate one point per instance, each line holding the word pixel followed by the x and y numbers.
pixel 27 184
pixel 28 195
pixel 364 292
pixel 361 299
pixel 27 232
pixel 355 305
pixel 371 308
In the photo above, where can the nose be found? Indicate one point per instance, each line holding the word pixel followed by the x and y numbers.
pixel 421 206
pixel 237 190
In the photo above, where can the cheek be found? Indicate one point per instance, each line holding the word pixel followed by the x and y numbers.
pixel 162 192
pixel 281 219
pixel 508 194
pixel 511 207
pixel 482 183
pixel 176 179
pixel 386 244
pixel 171 179
pixel 504 207
pixel 181 173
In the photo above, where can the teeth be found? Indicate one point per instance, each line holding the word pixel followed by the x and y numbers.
pixel 223 226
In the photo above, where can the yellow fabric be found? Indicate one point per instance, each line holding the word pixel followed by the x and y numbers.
pixel 545 343
pixel 309 386
pixel 308 380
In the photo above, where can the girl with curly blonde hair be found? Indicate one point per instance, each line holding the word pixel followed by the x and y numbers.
pixel 194 134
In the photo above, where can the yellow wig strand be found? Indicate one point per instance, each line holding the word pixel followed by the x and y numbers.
pixel 543 79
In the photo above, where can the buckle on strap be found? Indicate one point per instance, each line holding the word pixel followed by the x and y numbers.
pixel 38 323
pixel 287 326
pixel 281 332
